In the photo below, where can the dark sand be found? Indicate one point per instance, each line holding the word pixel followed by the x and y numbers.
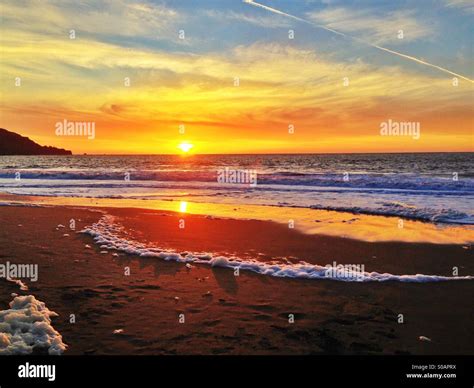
pixel 247 314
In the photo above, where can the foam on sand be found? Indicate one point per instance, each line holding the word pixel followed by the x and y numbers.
pixel 107 233
pixel 26 327
pixel 21 284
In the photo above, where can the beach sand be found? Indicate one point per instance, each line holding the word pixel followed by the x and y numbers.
pixel 227 314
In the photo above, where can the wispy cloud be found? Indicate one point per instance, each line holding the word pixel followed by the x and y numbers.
pixel 199 88
pixel 379 29
pixel 261 21
pixel 464 5
pixel 108 17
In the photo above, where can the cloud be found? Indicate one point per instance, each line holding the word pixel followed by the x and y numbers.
pixel 377 29
pixel 113 109
pixel 108 17
pixel 171 85
pixel 464 5
pixel 261 21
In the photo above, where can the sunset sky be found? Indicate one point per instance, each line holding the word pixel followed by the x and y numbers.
pixel 283 81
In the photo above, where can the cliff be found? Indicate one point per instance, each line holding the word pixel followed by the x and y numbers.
pixel 12 143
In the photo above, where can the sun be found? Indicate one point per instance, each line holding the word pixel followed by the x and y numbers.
pixel 185 147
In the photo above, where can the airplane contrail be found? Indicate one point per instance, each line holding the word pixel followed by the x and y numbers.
pixel 414 59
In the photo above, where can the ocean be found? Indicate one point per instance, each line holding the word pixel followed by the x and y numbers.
pixel 435 187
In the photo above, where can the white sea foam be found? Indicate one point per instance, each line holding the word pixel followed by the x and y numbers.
pixel 20 284
pixel 26 326
pixel 428 194
pixel 107 233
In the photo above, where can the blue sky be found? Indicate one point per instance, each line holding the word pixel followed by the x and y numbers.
pixel 441 31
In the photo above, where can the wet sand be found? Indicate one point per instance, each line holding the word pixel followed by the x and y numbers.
pixel 225 314
pixel 356 226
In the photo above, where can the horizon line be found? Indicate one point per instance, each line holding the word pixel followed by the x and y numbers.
pixel 266 153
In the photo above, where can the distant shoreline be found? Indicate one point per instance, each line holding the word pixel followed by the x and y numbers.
pixel 14 144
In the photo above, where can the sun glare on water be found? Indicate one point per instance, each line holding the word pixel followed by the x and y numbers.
pixel 183 206
pixel 185 147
